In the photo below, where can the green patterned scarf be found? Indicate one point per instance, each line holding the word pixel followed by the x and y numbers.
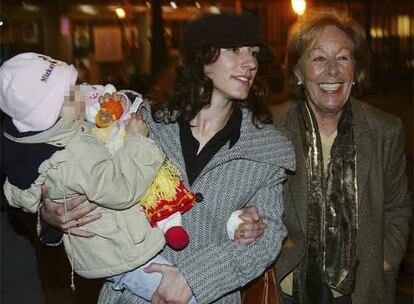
pixel 332 213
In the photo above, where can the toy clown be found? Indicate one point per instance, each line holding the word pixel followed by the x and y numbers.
pixel 167 197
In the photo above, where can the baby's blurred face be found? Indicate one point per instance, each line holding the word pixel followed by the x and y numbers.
pixel 74 105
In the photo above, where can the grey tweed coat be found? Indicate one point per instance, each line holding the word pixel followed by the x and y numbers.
pixel 250 173
pixel 385 204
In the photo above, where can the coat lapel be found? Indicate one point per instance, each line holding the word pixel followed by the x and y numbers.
pixel 167 136
pixel 364 147
pixel 239 151
pixel 261 145
pixel 169 140
pixel 298 181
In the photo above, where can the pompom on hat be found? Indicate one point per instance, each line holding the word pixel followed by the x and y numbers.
pixel 33 88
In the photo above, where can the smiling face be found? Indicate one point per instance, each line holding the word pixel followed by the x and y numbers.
pixel 233 73
pixel 326 70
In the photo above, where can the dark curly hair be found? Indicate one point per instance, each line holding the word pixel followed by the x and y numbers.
pixel 192 89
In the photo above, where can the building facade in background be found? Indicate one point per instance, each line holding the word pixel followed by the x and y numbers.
pixel 109 42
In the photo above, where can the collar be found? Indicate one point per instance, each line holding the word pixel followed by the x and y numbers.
pixel 10 128
pixel 230 132
pixel 59 134
pixel 289 119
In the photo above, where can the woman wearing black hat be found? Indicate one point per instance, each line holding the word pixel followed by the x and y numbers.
pixel 217 131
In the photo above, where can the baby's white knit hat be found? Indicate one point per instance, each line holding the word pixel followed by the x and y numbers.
pixel 33 88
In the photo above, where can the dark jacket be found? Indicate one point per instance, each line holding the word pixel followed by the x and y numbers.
pixel 383 198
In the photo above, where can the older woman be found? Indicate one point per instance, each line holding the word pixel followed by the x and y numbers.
pixel 347 207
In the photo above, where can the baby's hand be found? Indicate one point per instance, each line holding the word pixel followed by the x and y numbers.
pixel 136 125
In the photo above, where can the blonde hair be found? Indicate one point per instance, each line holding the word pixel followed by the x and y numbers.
pixel 307 29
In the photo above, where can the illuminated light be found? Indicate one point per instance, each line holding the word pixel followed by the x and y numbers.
pixel 197 4
pixel 380 32
pixel 373 32
pixel 87 9
pixel 377 32
pixel 298 6
pixel 120 12
pixel 214 10
pixel 1 23
pixel 64 26
pixel 173 5
pixel 148 4
pixel 30 7
pixel 403 25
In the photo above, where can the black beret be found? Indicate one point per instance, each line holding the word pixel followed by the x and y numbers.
pixel 226 30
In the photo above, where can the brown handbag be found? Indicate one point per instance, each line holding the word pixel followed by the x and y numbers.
pixel 262 290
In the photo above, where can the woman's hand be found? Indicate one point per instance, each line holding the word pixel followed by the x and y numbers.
pixel 54 214
pixel 173 287
pixel 252 228
pixel 136 125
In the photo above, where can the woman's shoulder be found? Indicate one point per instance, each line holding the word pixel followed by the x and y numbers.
pixel 267 141
pixel 377 119
pixel 253 129
pixel 285 115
